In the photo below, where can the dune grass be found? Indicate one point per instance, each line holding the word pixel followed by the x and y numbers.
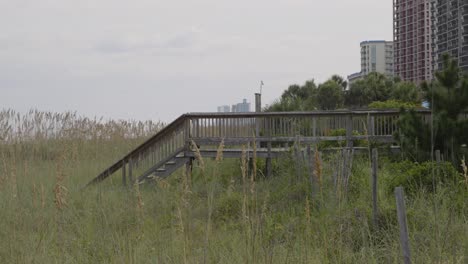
pixel 221 213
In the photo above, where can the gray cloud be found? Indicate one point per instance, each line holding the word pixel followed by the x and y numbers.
pixel 183 42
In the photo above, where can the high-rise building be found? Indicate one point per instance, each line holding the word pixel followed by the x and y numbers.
pixel 224 109
pixel 376 56
pixel 450 31
pixel 412 39
pixel 241 107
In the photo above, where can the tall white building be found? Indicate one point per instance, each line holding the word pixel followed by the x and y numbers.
pixel 376 56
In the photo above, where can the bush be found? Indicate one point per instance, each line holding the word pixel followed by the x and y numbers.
pixel 228 207
pixel 392 104
pixel 416 176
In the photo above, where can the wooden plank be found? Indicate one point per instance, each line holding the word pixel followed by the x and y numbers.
pixel 241 140
pixel 402 222
pixel 236 153
pixel 390 112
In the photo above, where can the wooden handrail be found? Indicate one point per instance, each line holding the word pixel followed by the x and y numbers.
pixel 144 146
pixel 309 113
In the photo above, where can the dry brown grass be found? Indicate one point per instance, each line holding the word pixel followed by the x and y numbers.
pixel 198 157
pixel 139 199
pixel 38 125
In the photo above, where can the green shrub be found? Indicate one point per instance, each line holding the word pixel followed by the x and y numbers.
pixel 416 176
pixel 228 207
pixel 392 104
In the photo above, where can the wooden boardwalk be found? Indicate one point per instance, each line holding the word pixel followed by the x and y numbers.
pixel 171 148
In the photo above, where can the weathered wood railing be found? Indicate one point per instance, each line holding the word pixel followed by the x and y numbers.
pixel 157 150
pixel 239 128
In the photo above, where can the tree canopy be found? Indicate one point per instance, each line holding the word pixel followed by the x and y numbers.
pixel 330 95
pixel 448 97
pixel 334 93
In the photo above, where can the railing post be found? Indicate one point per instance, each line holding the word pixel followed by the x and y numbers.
pixel 258 102
pixel 370 126
pixel 349 131
pixel 314 127
pixel 187 132
pixel 268 159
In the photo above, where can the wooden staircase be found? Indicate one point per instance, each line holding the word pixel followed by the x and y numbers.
pixel 166 169
pixel 169 149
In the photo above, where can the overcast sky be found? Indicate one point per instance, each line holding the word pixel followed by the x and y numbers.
pixel 154 59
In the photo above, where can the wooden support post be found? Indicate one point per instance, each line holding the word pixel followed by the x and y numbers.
pixel 297 158
pixel 370 126
pixel 374 186
pixel 130 172
pixel 188 133
pixel 258 109
pixel 404 236
pixel 258 102
pixel 188 171
pixel 124 176
pixel 297 161
pixel 310 171
pixel 314 127
pixel 349 131
pixel 268 161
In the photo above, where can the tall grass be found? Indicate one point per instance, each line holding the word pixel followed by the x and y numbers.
pixel 221 212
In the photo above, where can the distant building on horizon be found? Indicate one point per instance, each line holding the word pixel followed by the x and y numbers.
pixel 224 109
pixel 376 56
pixel 239 108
